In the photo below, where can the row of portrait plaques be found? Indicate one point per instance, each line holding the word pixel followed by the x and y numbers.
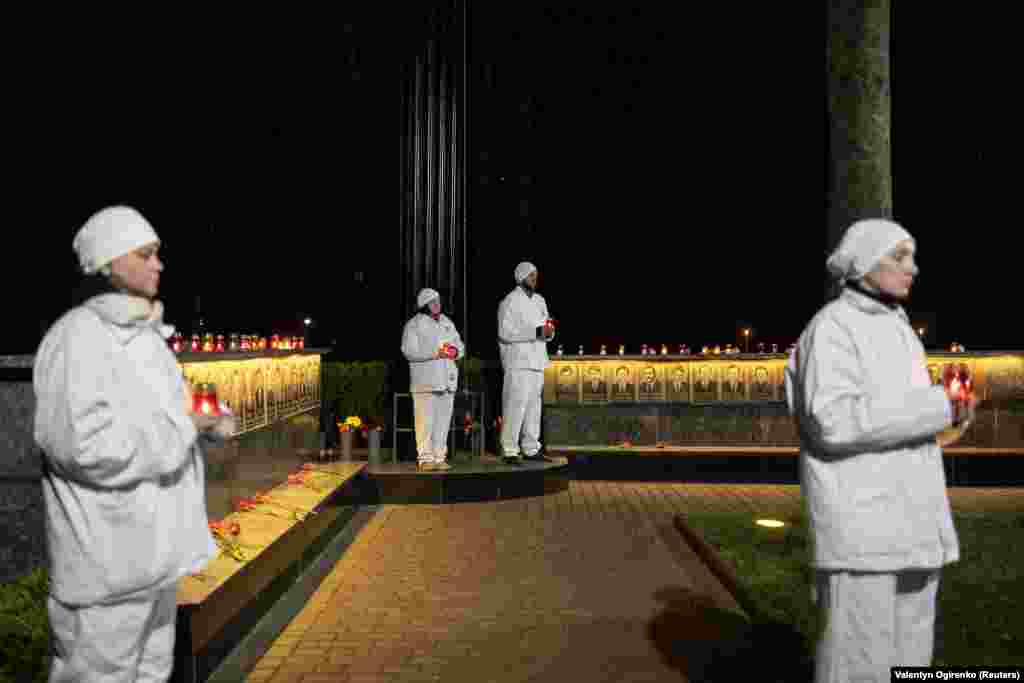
pixel 675 382
pixel 618 380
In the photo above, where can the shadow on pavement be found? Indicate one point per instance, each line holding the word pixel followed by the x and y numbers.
pixel 709 644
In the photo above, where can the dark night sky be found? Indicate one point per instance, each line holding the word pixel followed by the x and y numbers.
pixel 670 166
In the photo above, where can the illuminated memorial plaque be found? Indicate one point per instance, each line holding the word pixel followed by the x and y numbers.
pixel 568 385
pixel 623 383
pixel 762 388
pixel 651 384
pixel 677 383
pixel 705 382
pixel 595 387
pixel 1000 378
pixel 734 383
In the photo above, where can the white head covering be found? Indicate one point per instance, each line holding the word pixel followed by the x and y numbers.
pixel 523 271
pixel 863 246
pixel 425 297
pixel 109 233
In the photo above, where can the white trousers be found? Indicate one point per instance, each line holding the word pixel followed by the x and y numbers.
pixel 521 398
pixel 433 420
pixel 124 642
pixel 874 621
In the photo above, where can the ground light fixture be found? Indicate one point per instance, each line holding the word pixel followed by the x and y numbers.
pixel 770 523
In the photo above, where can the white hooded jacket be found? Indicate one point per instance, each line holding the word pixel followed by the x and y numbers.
pixel 124 485
pixel 870 467
pixel 421 339
pixel 519 316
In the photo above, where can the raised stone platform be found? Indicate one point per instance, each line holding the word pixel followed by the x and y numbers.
pixel 290 544
pixel 483 479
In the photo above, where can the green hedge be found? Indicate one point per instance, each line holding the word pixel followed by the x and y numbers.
pixel 365 389
pixel 24 628
pixel 362 389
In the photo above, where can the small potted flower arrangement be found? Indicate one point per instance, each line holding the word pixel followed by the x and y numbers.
pixel 347 428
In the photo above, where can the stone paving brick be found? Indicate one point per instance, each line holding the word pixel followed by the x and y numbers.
pixel 563 587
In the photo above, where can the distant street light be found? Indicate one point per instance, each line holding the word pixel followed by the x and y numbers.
pixel 308 322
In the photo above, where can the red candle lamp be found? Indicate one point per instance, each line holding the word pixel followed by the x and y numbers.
pixel 302 343
pixel 275 341
pixel 208 343
pixel 449 350
pixel 219 346
pixel 178 343
pixel 194 347
pixel 204 400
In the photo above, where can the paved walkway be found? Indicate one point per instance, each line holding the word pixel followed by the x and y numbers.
pixel 573 586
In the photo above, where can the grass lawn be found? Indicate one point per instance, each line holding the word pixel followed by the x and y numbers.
pixel 981 597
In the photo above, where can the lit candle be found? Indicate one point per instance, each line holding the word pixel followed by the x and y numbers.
pixel 219 346
pixel 604 350
pixel 210 404
pixel 664 349
pixel 195 343
pixel 622 349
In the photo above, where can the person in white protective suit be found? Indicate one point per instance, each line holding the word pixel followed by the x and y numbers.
pixel 871 471
pixel 123 484
pixel 524 329
pixel 431 344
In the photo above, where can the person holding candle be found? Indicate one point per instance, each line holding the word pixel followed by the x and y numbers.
pixel 524 329
pixel 431 344
pixel 123 482
pixel 871 469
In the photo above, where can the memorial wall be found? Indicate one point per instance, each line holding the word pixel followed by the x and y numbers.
pixel 732 400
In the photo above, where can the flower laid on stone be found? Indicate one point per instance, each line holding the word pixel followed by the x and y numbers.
pixel 310 467
pixel 351 423
pixel 226 535
pixel 252 505
pixel 298 512
pixel 299 479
